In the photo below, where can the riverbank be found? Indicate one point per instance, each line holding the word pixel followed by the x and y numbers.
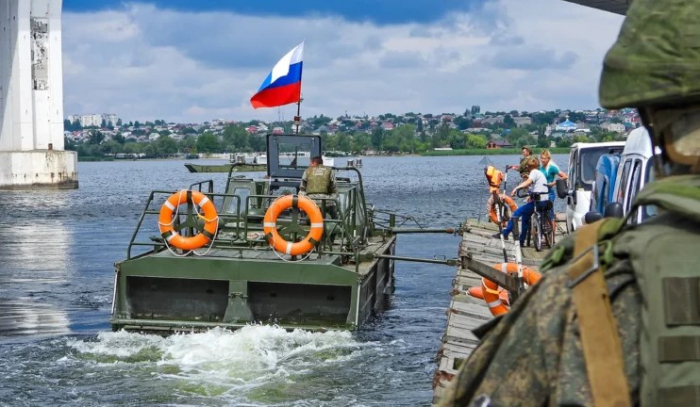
pixel 494 151
pixel 441 153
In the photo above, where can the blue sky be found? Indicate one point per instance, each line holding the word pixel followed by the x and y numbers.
pixel 379 12
pixel 202 60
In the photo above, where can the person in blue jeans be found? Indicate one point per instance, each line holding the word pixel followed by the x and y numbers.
pixel 537 182
pixel 551 171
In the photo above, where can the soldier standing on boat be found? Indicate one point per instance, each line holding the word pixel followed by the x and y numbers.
pixel 614 320
pixel 318 182
pixel 522 167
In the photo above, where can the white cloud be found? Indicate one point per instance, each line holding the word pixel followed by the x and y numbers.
pixel 145 63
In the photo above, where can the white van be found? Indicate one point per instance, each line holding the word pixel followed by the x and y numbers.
pixel 582 164
pixel 635 170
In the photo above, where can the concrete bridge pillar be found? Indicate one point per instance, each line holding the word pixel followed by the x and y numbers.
pixel 31 97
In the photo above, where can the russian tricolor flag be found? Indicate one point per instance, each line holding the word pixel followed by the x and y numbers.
pixel 283 85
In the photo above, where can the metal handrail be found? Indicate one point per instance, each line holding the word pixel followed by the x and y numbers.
pixel 242 223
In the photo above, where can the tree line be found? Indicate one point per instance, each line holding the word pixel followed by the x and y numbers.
pixel 406 139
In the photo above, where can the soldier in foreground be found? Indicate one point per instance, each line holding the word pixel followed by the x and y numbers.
pixel 318 182
pixel 615 319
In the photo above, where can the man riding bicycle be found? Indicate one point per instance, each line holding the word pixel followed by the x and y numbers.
pixel 539 197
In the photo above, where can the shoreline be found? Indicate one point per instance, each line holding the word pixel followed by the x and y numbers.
pixel 448 153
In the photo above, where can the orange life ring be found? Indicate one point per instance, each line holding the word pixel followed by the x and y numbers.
pixel 165 220
pixel 510 203
pixel 530 276
pixel 478 292
pixel 492 292
pixel 270 224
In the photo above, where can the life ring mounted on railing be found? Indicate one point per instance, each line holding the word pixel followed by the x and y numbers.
pixel 493 207
pixel 166 220
pixel 492 294
pixel 270 224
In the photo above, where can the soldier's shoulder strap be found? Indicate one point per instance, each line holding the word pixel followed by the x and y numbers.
pixel 599 336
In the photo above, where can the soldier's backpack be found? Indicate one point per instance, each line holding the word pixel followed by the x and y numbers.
pixel 665 257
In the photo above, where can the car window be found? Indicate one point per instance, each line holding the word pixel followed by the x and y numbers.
pixel 605 197
pixel 649 210
pixel 634 184
pixel 589 160
pixel 572 169
pixel 623 182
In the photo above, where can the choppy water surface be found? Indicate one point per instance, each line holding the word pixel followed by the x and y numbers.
pixel 57 250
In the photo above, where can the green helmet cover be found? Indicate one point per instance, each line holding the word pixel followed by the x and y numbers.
pixel 656 58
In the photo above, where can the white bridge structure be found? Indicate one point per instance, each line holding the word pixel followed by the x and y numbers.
pixel 31 97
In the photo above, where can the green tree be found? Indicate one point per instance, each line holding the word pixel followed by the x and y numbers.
pixel 378 138
pixel 442 135
pixel 563 142
pixel 166 146
pixel 577 116
pixel 95 137
pixel 516 134
pixel 462 123
pixel 208 143
pixel 476 141
pixel 508 121
pixel 361 142
pixel 69 144
pixel 132 148
pixel 110 147
pixel 527 140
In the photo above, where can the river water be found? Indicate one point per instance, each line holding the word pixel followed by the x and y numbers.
pixel 57 255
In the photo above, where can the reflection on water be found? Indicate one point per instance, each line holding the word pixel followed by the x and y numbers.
pixel 24 316
pixel 35 254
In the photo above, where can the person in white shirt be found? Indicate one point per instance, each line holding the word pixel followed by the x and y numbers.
pixel 537 182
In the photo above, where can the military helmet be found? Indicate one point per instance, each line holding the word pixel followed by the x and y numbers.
pixel 656 58
pixel 655 66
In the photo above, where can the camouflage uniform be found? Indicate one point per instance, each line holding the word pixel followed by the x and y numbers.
pixel 318 182
pixel 522 168
pixel 533 355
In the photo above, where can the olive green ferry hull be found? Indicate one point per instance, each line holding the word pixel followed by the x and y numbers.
pixel 226 167
pixel 163 293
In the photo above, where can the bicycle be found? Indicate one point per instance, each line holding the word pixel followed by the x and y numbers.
pixel 541 224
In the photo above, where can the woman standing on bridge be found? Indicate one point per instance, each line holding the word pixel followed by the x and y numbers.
pixel 551 171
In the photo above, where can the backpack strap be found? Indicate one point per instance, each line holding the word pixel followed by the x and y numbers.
pixel 601 343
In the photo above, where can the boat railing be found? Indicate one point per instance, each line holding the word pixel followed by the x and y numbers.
pixel 385 219
pixel 242 229
pixel 197 186
pixel 155 211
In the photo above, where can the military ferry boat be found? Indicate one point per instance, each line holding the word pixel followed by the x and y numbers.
pixel 259 253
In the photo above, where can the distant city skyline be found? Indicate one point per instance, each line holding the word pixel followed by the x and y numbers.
pixel 197 61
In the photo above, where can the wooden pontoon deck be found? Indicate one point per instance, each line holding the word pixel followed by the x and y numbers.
pixel 465 312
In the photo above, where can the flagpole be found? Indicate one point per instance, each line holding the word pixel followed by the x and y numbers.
pixel 297 118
